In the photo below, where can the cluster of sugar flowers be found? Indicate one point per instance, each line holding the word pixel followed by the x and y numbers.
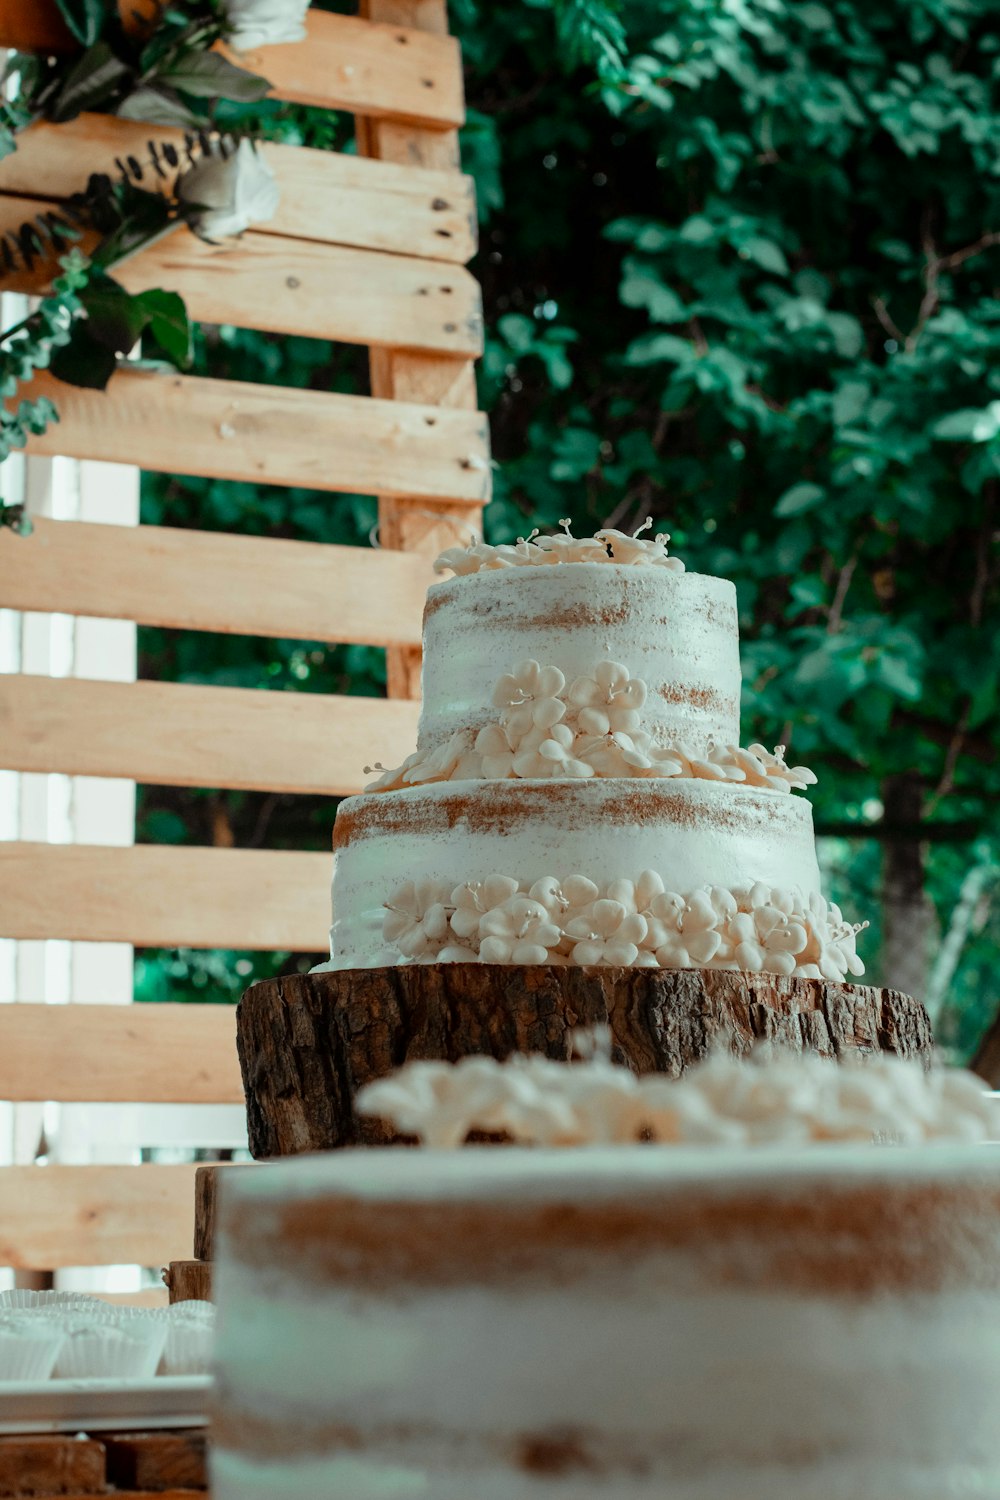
pixel 770 1097
pixel 562 547
pixel 624 923
pixel 591 726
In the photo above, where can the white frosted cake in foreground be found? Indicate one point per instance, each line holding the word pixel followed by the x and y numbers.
pixel 622 1322
pixel 579 794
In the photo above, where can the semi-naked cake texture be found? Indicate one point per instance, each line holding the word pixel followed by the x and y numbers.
pixel 579 794
pixel 627 1321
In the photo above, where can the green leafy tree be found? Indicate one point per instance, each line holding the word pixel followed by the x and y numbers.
pixel 740 268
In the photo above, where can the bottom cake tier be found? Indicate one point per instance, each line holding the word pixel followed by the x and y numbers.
pixel 669 874
pixel 627 1322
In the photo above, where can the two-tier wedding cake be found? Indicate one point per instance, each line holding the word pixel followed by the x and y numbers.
pixel 579 794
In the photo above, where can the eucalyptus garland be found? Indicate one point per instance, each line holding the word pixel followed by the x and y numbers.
pixel 159 69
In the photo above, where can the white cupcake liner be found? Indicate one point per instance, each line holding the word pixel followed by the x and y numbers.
pixel 19 1300
pixel 188 1350
pixel 96 1348
pixel 28 1351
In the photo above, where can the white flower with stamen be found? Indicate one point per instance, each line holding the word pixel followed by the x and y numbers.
pixel 520 931
pixel 605 932
pixel 416 917
pixel 609 701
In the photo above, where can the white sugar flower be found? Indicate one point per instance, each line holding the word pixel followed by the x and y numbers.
pixel 606 933
pixel 609 700
pixel 520 931
pixel 446 762
pixel 779 774
pixel 391 779
pixel 543 753
pixel 463 560
pixel 528 682
pixel 618 754
pixel 260 23
pixel 416 917
pixel 627 550
pixel 227 191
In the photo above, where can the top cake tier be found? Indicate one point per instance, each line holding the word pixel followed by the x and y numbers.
pixel 677 631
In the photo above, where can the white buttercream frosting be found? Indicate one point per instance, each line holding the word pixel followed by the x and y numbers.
pixel 767 1099
pixel 771 1324
pixel 699 837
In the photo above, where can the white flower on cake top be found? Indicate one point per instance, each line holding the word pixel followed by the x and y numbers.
pixel 608 546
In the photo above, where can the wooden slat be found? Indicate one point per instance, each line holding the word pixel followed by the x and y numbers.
pixel 399 374
pixel 325 195
pixel 110 1054
pixel 344 63
pixel 165 897
pixel 95 1216
pixel 177 734
pixel 227 429
pixel 198 580
pixel 281 285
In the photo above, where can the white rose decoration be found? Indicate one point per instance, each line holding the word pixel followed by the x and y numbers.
pixel 260 23
pixel 229 192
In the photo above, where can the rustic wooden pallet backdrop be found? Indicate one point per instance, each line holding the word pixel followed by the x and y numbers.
pixel 367 249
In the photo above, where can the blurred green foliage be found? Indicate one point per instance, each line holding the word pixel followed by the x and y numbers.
pixel 740 270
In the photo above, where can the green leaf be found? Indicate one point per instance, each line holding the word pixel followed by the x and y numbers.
pixel 209 75
pixel 895 674
pixel 970 425
pixel 85 18
pixel 642 286
pixel 800 498
pixel 94 80
pixel 169 324
pixel 157 107
pixel 656 348
pixel 84 361
pixel 115 319
pixel 766 254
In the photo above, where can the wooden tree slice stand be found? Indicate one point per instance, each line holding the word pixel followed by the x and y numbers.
pixel 309 1042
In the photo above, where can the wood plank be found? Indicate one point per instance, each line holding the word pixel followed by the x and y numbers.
pixel 199 580
pixel 343 64
pixel 95 1216
pixel 179 734
pixel 206 1201
pixel 348 63
pixel 281 285
pixel 110 1054
pixel 188 1281
pixel 51 1464
pixel 166 897
pixel 157 1460
pixel 398 374
pixel 325 195
pixel 227 429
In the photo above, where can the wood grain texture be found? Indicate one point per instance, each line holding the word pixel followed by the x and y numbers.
pixel 176 734
pixel 166 897
pixel 343 64
pixel 95 1216
pixel 150 1054
pixel 308 1043
pixel 397 373
pixel 325 195
pixel 188 1281
pixel 282 285
pixel 206 1199
pixel 51 1464
pixel 194 580
pixel 157 1460
pixel 227 429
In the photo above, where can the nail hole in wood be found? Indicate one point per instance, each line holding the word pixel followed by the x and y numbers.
pixel 439 204
pixel 428 83
pixel 443 234
pixel 293 282
pixel 451 328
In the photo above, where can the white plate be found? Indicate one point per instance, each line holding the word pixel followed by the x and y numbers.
pixel 100 1405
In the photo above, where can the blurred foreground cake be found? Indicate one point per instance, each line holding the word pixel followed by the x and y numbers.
pixel 781 1313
